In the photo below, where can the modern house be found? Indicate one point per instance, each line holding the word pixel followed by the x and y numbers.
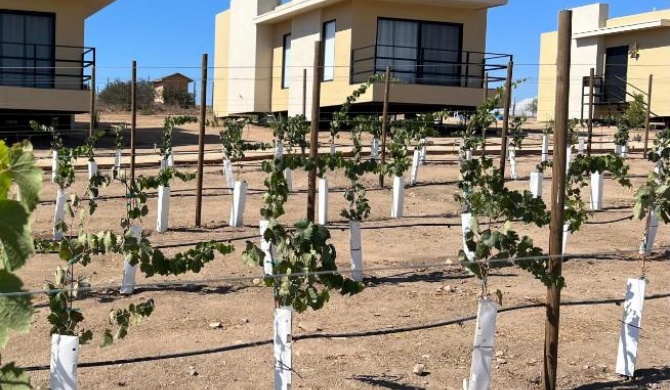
pixel 623 53
pixel 45 70
pixel 176 84
pixel 437 50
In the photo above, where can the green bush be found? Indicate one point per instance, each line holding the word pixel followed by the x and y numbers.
pixel 117 95
pixel 178 97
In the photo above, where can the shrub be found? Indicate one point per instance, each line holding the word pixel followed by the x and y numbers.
pixel 117 94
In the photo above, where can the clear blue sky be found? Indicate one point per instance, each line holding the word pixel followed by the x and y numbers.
pixel 167 36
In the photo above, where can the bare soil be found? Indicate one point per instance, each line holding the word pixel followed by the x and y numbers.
pixel 410 283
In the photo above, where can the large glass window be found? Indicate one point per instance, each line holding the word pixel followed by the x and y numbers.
pixel 27 49
pixel 420 52
pixel 329 51
pixel 286 62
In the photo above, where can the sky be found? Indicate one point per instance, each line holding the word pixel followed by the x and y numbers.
pixel 167 36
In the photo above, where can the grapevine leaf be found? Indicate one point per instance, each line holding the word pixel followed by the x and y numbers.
pixel 16 241
pixel 18 164
pixel 15 311
pixel 14 378
pixel 107 339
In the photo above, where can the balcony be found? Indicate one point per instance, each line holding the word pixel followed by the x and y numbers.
pixel 45 77
pixel 46 66
pixel 447 68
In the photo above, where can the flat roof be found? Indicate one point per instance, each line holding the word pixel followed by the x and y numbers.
pixel 658 23
pixel 297 7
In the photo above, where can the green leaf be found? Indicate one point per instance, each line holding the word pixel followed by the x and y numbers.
pixel 107 338
pixel 16 241
pixel 15 311
pixel 86 336
pixel 14 378
pixel 18 164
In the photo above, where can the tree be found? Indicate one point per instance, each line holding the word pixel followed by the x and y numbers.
pixel 117 94
pixel 636 113
pixel 531 107
pixel 178 97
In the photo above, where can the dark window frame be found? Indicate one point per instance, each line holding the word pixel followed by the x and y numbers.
pixel 419 72
pixel 52 72
pixel 285 38
pixel 323 51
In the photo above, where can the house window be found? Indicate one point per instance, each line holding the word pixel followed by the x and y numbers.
pixel 286 62
pixel 328 51
pixel 420 52
pixel 27 49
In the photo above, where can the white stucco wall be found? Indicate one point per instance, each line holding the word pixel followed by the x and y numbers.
pixel 305 31
pixel 250 59
pixel 587 53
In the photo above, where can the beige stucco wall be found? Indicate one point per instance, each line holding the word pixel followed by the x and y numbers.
pixel 17 98
pixel 546 95
pixel 654 58
pixel 221 55
pixel 654 50
pixel 70 18
pixel 639 18
pixel 356 27
pixel 280 96
pixel 332 92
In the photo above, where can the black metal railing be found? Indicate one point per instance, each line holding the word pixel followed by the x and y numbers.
pixel 607 91
pixel 440 67
pixel 46 66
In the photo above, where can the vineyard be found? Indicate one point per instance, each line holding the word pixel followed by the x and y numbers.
pixel 405 252
pixel 410 327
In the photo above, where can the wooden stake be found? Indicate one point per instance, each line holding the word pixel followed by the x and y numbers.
pixel 505 125
pixel 647 120
pixel 557 199
pixel 590 123
pixel 314 135
pixel 486 97
pixel 91 128
pixel 201 142
pixel 133 120
pixel 385 112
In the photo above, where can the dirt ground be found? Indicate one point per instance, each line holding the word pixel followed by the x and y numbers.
pixel 411 284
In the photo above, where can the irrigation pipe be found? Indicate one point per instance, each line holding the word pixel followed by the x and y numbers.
pixel 507 261
pixel 311 336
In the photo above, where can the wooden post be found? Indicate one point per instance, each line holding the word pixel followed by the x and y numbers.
pixel 201 142
pixel 133 120
pixel 590 124
pixel 486 97
pixel 557 199
pixel 505 125
pixel 647 120
pixel 314 135
pixel 385 112
pixel 91 128
pixel 304 92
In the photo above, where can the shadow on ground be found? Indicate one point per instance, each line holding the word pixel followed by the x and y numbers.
pixel 643 379
pixel 386 382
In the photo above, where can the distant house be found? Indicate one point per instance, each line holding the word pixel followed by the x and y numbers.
pixel 623 52
pixel 177 84
pixel 437 49
pixel 45 70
